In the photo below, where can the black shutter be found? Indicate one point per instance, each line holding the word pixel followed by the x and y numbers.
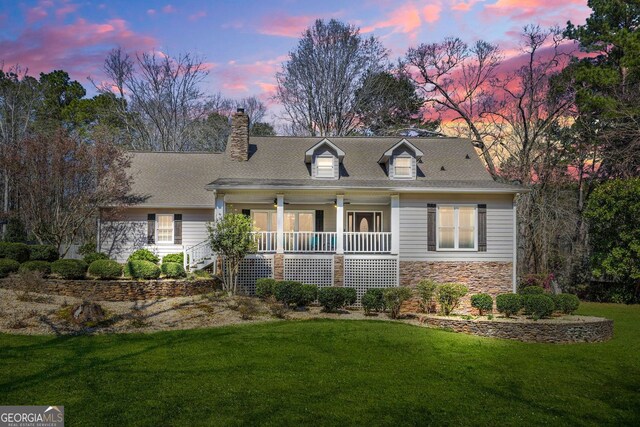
pixel 246 212
pixel 151 229
pixel 177 229
pixel 431 227
pixel 319 220
pixel 482 228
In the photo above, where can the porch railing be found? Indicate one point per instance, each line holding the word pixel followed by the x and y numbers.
pixel 266 241
pixel 197 254
pixel 310 241
pixel 379 242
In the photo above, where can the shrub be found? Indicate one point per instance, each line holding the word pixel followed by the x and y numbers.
pixel 265 287
pixel 94 256
pixel 105 269
pixel 43 253
pixel 331 298
pixel 173 270
pixel 509 304
pixel 144 255
pixel 531 290
pixel 349 295
pixel 179 258
pixel 8 266
pixel 538 306
pixel 426 289
pixel 483 302
pixel 141 269
pixel 69 268
pixel 373 300
pixel 566 303
pixel 449 295
pixel 277 309
pixel 15 251
pixel 394 297
pixel 43 267
pixel 309 294
pixel 288 292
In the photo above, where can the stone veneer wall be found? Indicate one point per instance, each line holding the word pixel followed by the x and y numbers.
pixel 492 278
pixel 595 330
pixel 278 267
pixel 238 145
pixel 338 270
pixel 121 290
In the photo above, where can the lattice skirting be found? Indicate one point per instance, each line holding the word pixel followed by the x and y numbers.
pixel 253 268
pixel 363 273
pixel 313 270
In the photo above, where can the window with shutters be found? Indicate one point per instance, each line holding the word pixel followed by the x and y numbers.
pixel 457 228
pixel 164 231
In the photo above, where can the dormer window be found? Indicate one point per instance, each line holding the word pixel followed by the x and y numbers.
pixel 325 165
pixel 324 159
pixel 400 161
pixel 402 167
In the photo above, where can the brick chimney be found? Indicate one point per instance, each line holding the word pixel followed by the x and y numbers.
pixel 238 143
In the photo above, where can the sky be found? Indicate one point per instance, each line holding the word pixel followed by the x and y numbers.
pixel 244 43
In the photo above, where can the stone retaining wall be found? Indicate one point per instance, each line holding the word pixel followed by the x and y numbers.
pixel 591 330
pixel 119 290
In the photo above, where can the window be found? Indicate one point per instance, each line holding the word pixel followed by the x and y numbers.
pixel 402 167
pixel 364 222
pixel 264 220
pixel 165 228
pixel 457 227
pixel 325 167
pixel 299 221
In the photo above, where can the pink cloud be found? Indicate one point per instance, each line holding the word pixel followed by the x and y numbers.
pixel 464 6
pixel 526 10
pixel 197 15
pixel 35 14
pixel 284 25
pixel 431 13
pixel 66 9
pixel 169 9
pixel 151 12
pixel 239 79
pixel 405 19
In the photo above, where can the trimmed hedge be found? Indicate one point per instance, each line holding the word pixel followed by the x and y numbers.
pixel 105 269
pixel 43 267
pixel 531 290
pixel 43 253
pixel 538 306
pixel 509 304
pixel 333 297
pixel 15 251
pixel 94 256
pixel 288 292
pixel 394 297
pixel 179 258
pixel 309 294
pixel 173 270
pixel 483 302
pixel 141 269
pixel 144 255
pixel 8 266
pixel 69 268
pixel 373 300
pixel 265 287
pixel 566 303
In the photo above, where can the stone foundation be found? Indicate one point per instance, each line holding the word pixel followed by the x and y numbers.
pixel 278 266
pixel 492 278
pixel 591 329
pixel 338 270
pixel 120 290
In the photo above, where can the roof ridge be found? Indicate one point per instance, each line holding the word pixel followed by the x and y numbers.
pixel 172 152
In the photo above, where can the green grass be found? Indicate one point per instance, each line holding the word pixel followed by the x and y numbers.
pixel 328 372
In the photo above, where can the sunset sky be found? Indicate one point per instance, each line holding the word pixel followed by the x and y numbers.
pixel 244 42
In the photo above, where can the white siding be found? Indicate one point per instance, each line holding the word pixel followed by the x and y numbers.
pixel 413 228
pixel 120 238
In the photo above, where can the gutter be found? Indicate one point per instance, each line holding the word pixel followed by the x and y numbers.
pixel 394 189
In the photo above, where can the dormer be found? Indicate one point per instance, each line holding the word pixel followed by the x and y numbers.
pixel 401 160
pixel 325 158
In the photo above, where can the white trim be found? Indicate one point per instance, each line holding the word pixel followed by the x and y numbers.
pixel 395 224
pixel 340 224
pixel 309 153
pixel 395 166
pixel 173 230
pixel 456 227
pixel 514 267
pixel 332 169
pixel 280 223
pixel 365 211
pixel 387 154
pixel 347 187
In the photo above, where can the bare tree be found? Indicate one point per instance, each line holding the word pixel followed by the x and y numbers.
pixel 454 79
pixel 253 107
pixel 317 85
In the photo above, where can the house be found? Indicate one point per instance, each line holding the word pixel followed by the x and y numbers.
pixel 346 211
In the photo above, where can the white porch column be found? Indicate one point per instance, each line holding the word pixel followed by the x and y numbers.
pixel 219 206
pixel 280 223
pixel 340 224
pixel 395 224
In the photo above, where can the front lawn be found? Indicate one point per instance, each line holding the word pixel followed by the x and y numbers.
pixel 328 372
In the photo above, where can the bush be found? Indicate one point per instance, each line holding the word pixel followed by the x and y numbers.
pixel 483 302
pixel 265 287
pixel 141 269
pixel 331 298
pixel 394 297
pixel 105 269
pixel 309 294
pixel 15 251
pixel 373 300
pixel 538 306
pixel 173 270
pixel 69 268
pixel 43 253
pixel 43 267
pixel 288 292
pixel 144 255
pixel 349 295
pixel 566 303
pixel 426 289
pixel 179 258
pixel 94 256
pixel 531 290
pixel 509 304
pixel 449 295
pixel 8 266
